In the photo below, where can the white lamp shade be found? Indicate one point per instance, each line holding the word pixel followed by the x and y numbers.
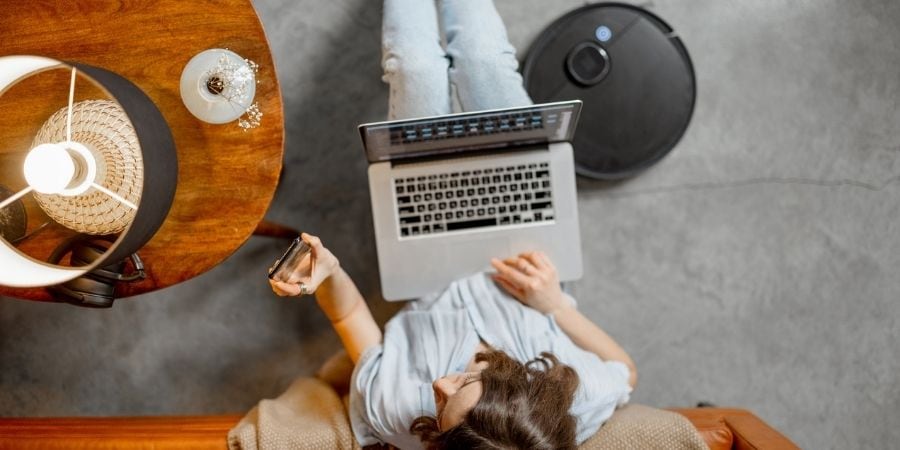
pixel 32 273
pixel 29 272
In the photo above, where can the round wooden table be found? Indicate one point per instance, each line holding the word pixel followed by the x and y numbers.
pixel 226 176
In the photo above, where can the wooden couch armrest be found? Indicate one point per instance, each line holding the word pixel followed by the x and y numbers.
pixel 740 427
pixel 156 433
pixel 751 433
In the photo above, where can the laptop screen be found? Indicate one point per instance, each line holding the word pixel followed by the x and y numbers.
pixel 464 132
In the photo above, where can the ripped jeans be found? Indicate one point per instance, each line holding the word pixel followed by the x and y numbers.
pixel 478 63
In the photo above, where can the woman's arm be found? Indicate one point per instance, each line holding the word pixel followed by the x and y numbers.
pixel 589 336
pixel 337 297
pixel 532 279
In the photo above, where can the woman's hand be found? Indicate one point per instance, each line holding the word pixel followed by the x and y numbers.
pixel 311 272
pixel 531 278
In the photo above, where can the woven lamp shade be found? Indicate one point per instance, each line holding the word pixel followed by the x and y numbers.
pixel 103 127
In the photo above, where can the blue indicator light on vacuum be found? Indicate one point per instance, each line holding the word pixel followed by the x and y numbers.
pixel 603 33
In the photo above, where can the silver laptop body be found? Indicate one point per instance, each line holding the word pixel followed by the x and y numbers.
pixel 450 192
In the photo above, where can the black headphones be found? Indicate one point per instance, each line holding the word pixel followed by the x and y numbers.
pixel 97 288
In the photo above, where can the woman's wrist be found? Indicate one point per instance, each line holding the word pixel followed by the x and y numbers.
pixel 561 305
pixel 331 305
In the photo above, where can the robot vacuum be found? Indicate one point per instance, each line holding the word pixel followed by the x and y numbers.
pixel 634 76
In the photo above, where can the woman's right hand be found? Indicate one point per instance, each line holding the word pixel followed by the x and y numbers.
pixel 532 279
pixel 311 273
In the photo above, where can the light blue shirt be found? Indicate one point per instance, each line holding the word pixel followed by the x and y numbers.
pixel 437 335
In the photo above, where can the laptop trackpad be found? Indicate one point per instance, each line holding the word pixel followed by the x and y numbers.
pixel 475 255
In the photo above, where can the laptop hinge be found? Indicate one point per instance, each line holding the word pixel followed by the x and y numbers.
pixel 470 154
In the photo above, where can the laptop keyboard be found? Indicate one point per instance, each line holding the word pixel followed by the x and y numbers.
pixel 462 200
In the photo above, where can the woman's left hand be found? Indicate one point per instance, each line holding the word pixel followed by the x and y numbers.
pixel 531 278
pixel 311 272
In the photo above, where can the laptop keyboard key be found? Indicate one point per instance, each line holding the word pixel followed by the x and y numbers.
pixel 477 223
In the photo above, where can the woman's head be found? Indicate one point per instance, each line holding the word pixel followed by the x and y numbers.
pixel 506 405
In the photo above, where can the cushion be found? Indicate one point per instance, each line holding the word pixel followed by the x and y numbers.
pixel 309 415
pixel 642 427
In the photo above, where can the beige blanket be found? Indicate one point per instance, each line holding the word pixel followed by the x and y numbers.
pixel 638 427
pixel 309 415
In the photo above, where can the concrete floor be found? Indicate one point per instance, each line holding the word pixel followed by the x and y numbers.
pixel 755 266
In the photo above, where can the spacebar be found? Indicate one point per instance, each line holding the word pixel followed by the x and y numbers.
pixel 471 224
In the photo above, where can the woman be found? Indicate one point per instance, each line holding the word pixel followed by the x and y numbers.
pixel 475 366
pixel 494 361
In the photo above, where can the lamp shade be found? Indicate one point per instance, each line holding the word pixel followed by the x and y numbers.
pixel 75 169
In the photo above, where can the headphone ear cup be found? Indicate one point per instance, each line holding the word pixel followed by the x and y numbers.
pixel 86 291
pixel 87 251
pixel 96 289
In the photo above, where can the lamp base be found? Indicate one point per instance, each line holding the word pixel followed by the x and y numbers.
pixel 13 221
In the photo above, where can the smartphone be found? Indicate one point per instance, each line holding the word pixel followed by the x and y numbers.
pixel 288 262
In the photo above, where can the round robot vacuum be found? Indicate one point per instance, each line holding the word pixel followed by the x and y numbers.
pixel 634 76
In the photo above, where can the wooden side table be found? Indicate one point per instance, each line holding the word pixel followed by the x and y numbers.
pixel 226 176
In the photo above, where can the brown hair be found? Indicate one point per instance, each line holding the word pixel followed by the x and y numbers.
pixel 522 406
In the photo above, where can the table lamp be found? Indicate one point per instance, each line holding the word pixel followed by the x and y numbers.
pixel 99 167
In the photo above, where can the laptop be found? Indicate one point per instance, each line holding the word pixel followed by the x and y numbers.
pixel 450 192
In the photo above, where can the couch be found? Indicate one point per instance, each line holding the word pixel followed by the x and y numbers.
pixel 720 428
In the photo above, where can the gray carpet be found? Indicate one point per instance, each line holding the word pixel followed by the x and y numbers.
pixel 753 267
